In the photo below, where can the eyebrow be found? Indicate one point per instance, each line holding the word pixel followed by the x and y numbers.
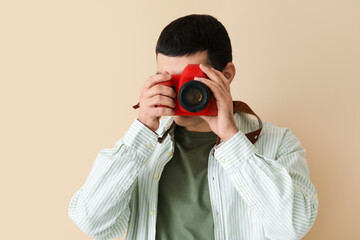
pixel 158 72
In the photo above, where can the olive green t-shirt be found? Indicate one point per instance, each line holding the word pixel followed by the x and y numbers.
pixel 184 208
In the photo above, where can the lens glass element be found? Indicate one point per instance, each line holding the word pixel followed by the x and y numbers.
pixel 194 96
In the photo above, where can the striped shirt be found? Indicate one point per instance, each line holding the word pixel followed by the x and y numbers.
pixel 257 191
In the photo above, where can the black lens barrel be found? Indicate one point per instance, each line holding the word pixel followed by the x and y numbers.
pixel 194 96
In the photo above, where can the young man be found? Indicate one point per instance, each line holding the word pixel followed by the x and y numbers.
pixel 186 186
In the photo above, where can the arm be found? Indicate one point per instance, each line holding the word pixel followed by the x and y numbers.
pixel 278 190
pixel 101 206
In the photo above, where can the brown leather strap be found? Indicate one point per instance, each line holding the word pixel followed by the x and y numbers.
pixel 243 107
pixel 136 106
pixel 238 107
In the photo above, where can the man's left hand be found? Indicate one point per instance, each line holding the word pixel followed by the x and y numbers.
pixel 223 124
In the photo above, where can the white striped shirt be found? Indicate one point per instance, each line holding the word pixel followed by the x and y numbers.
pixel 257 191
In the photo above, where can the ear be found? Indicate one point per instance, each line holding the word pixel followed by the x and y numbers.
pixel 229 71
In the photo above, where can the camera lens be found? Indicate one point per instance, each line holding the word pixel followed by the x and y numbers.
pixel 194 96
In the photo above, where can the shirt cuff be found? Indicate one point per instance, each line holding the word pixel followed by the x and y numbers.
pixel 141 138
pixel 232 153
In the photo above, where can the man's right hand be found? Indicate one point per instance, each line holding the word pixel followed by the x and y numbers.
pixel 151 96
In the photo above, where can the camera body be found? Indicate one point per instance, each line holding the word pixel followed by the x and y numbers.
pixel 193 98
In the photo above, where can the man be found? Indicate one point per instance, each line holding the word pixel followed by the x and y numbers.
pixel 186 186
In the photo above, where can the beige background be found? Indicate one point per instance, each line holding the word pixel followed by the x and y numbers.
pixel 71 70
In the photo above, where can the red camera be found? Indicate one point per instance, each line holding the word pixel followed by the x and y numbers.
pixel 193 98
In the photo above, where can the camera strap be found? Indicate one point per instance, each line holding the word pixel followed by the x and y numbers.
pixel 239 107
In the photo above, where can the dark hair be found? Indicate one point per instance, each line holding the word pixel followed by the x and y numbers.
pixel 195 33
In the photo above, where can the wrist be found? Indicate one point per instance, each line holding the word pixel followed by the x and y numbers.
pixel 152 125
pixel 229 134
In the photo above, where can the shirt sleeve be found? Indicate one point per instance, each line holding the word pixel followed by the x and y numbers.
pixel 277 190
pixel 100 207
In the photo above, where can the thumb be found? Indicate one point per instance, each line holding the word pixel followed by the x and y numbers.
pixel 207 118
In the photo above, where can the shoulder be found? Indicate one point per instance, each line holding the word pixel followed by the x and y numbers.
pixel 273 139
pixel 247 123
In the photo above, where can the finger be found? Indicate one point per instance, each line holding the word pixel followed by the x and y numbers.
pixel 213 76
pixel 154 79
pixel 161 100
pixel 160 90
pixel 208 71
pixel 215 87
pixel 164 111
pixel 222 77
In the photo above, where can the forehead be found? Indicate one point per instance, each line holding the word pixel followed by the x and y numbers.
pixel 175 65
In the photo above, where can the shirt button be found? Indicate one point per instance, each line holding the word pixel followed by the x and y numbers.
pixel 149 146
pixel 170 153
pixel 222 161
pixel 240 187
pixel 156 176
pixel 152 212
